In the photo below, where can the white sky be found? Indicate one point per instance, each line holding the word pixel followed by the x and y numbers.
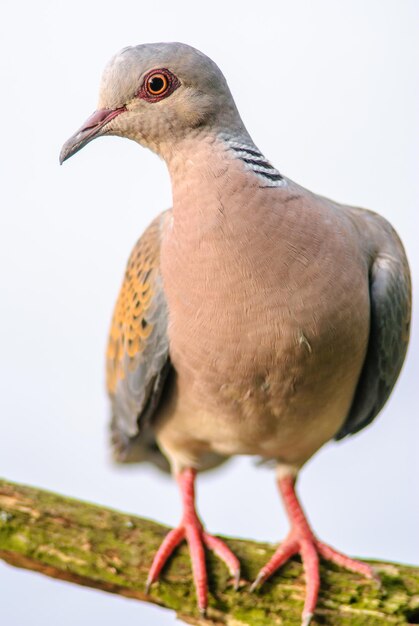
pixel 336 111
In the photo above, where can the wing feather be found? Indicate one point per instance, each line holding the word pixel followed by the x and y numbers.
pixel 390 302
pixel 138 361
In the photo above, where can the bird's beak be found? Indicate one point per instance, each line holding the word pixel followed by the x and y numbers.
pixel 93 127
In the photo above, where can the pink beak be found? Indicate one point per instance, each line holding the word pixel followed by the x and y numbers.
pixel 93 127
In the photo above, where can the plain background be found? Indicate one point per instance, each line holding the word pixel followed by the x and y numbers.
pixel 329 93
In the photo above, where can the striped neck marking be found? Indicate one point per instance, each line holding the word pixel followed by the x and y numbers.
pixel 254 161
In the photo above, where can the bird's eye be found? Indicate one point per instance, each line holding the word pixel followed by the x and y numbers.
pixel 158 84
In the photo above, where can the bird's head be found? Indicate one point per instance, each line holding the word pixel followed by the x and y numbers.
pixel 158 94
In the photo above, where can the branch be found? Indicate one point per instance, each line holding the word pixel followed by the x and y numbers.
pixel 97 547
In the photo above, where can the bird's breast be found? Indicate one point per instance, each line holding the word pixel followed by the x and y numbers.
pixel 263 327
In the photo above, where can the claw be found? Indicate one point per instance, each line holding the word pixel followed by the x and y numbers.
pixel 259 580
pixel 148 585
pixel 376 578
pixel 307 619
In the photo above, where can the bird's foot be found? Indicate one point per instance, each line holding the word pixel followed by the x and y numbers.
pixel 192 531
pixel 301 540
pixel 196 538
pixel 310 550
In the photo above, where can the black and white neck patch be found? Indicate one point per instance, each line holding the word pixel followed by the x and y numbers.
pixel 255 162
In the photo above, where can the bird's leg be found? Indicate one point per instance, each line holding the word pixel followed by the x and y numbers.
pixel 301 540
pixel 192 530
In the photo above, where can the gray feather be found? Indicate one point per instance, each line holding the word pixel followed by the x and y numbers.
pixel 390 302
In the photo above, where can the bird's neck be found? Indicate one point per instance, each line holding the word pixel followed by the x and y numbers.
pixel 197 170
pixel 209 174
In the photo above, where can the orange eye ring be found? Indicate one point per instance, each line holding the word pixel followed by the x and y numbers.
pixel 158 84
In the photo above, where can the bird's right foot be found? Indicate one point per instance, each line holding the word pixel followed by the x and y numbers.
pixel 192 530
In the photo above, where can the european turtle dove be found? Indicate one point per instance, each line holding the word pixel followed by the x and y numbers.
pixel 255 317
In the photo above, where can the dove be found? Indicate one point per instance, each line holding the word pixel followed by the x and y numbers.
pixel 255 317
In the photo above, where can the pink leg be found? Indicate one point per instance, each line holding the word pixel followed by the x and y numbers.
pixel 192 530
pixel 301 540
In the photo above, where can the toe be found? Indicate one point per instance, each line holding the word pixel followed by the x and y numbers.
pixel 330 554
pixel 199 570
pixel 310 560
pixel 286 550
pixel 225 554
pixel 169 544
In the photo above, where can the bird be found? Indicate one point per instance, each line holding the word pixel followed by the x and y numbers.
pixel 255 317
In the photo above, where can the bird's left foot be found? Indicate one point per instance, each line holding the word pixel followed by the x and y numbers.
pixel 301 540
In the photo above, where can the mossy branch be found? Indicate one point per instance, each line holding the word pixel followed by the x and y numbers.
pixel 97 547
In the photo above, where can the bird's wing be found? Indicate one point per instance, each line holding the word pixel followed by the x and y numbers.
pixel 390 306
pixel 138 350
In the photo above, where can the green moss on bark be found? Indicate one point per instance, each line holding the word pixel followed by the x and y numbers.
pixel 97 547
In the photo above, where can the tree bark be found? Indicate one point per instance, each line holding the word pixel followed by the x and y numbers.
pixel 97 547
